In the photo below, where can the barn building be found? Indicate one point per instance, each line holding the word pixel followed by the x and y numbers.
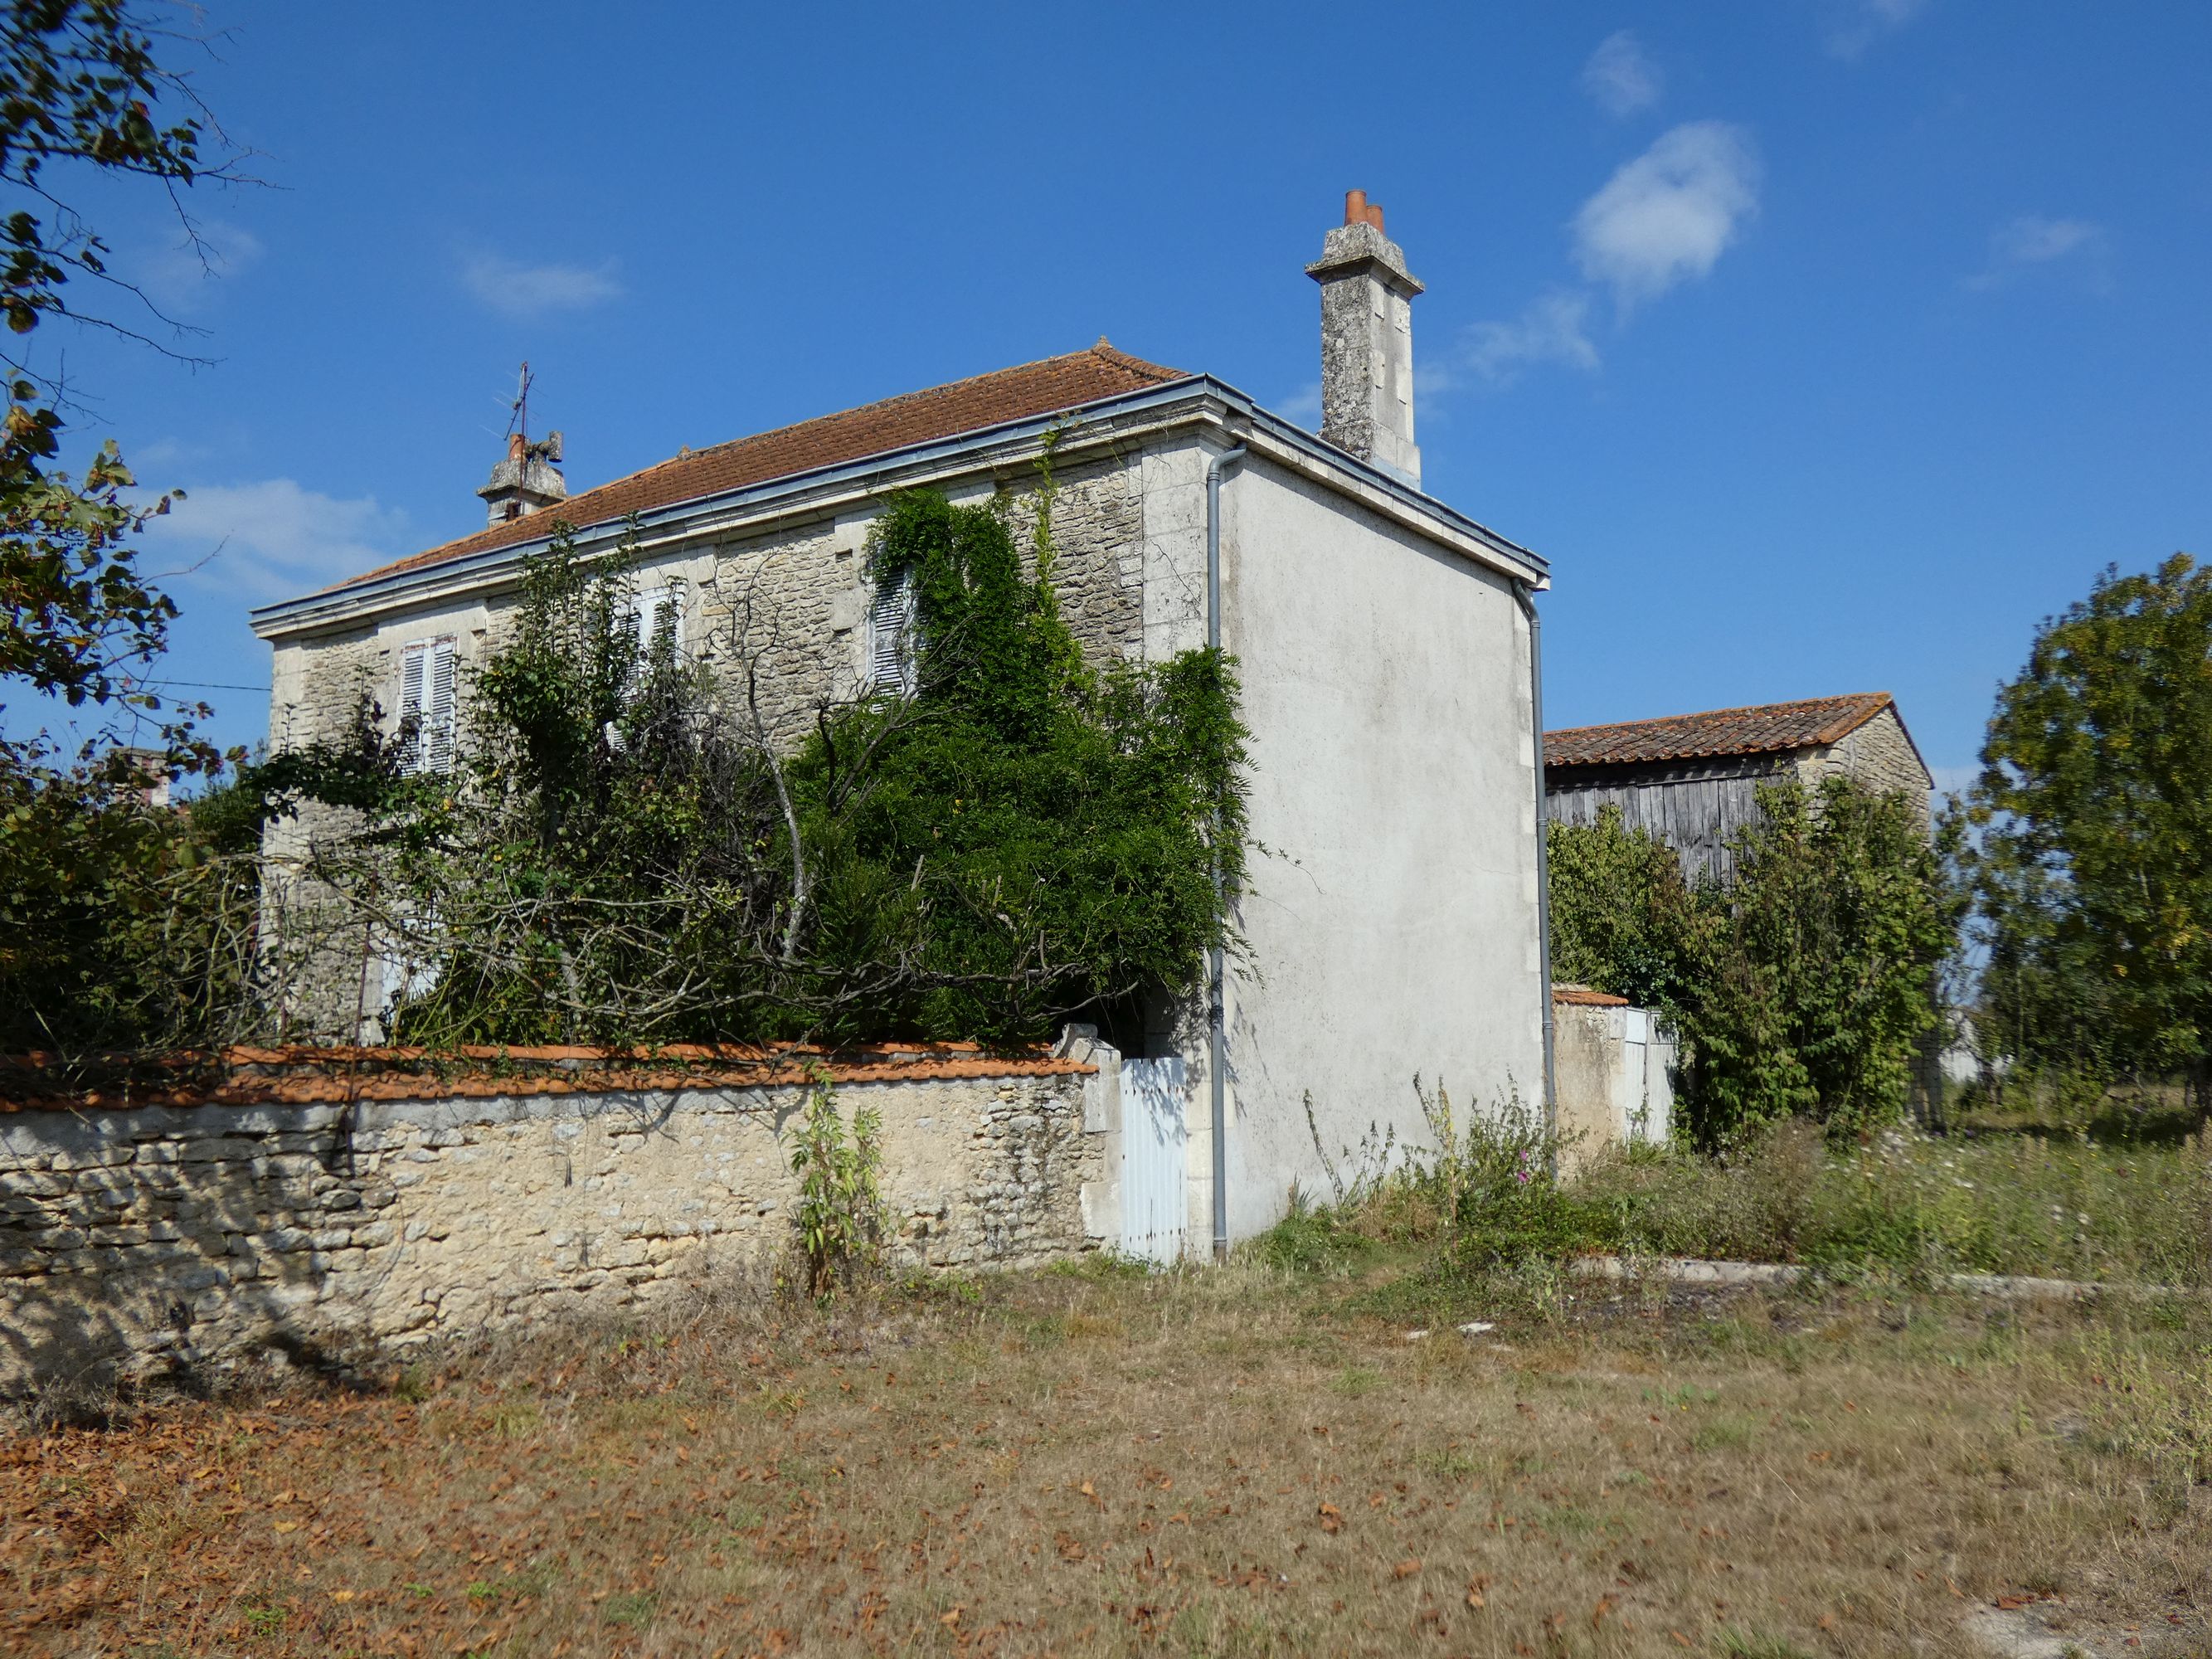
pixel 1692 780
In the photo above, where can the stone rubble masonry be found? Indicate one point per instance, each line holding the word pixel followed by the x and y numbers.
pixel 799 594
pixel 142 1240
pixel 1878 755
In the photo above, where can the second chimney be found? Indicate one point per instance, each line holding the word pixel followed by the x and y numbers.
pixel 527 481
pixel 1367 341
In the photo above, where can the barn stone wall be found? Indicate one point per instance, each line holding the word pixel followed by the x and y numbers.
pixel 1878 755
pixel 141 1240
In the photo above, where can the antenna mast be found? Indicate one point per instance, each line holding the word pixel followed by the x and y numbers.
pixel 519 416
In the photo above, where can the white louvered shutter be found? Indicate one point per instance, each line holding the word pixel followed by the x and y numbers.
pixel 414 674
pixel 438 720
pixel 650 619
pixel 890 642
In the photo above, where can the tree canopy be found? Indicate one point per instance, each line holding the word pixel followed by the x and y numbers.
pixel 2094 867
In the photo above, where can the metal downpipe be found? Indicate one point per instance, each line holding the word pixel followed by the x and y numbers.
pixel 1523 592
pixel 1216 989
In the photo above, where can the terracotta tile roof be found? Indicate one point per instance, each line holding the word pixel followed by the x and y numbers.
pixel 1768 728
pixel 260 1077
pixel 1581 996
pixel 943 412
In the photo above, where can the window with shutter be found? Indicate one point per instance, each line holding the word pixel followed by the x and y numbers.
pixel 428 675
pixel 438 721
pixel 414 677
pixel 652 618
pixel 891 639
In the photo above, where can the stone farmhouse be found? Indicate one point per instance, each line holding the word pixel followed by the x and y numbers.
pixel 1692 780
pixel 1387 643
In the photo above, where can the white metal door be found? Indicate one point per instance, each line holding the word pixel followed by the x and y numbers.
pixel 1154 1192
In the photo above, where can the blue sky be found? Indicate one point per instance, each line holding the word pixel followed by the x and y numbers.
pixel 1822 345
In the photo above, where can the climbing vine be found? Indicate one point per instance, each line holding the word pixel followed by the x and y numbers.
pixel 640 846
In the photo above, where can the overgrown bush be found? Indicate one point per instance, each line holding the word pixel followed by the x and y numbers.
pixel 637 848
pixel 1804 986
pixel 122 924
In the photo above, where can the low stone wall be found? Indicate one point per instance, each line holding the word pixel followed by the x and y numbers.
pixel 142 1238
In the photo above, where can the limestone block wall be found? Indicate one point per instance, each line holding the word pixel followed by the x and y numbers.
pixel 139 1240
pixel 1878 755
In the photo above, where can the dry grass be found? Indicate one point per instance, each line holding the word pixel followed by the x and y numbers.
pixel 1223 1463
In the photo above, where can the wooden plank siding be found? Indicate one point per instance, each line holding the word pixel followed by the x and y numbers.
pixel 1696 807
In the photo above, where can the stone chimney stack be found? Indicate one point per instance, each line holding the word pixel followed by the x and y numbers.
pixel 1367 341
pixel 526 480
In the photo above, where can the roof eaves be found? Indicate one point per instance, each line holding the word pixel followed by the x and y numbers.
pixel 333 605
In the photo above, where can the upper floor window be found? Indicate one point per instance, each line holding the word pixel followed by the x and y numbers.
pixel 426 706
pixel 650 617
pixel 891 639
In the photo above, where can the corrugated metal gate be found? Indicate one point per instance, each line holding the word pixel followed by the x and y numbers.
pixel 1154 1139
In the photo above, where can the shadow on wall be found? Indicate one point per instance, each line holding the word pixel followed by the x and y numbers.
pixel 147 1242
pixel 136 1246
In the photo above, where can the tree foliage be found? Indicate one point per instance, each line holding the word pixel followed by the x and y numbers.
pixel 80 92
pixel 1802 987
pixel 118 920
pixel 2093 872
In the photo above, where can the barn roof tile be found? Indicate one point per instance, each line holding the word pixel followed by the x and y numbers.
pixel 1764 728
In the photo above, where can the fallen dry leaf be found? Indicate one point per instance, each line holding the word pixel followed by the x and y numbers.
pixel 1475 1597
pixel 1407 1568
pixel 1332 1518
pixel 949 1620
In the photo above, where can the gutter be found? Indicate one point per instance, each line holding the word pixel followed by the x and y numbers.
pixel 1217 988
pixel 1525 595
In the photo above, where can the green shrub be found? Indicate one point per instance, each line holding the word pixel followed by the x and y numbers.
pixel 1804 986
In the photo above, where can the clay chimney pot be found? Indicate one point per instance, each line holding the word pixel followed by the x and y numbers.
pixel 1355 206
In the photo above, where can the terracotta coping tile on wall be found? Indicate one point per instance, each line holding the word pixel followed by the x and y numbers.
pixel 1581 996
pixel 244 1077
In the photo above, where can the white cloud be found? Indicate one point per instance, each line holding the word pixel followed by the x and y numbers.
pixel 1669 214
pixel 274 539
pixel 2034 239
pixel 1621 77
pixel 514 289
pixel 179 274
pixel 1854 25
pixel 1549 330
pixel 1303 406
